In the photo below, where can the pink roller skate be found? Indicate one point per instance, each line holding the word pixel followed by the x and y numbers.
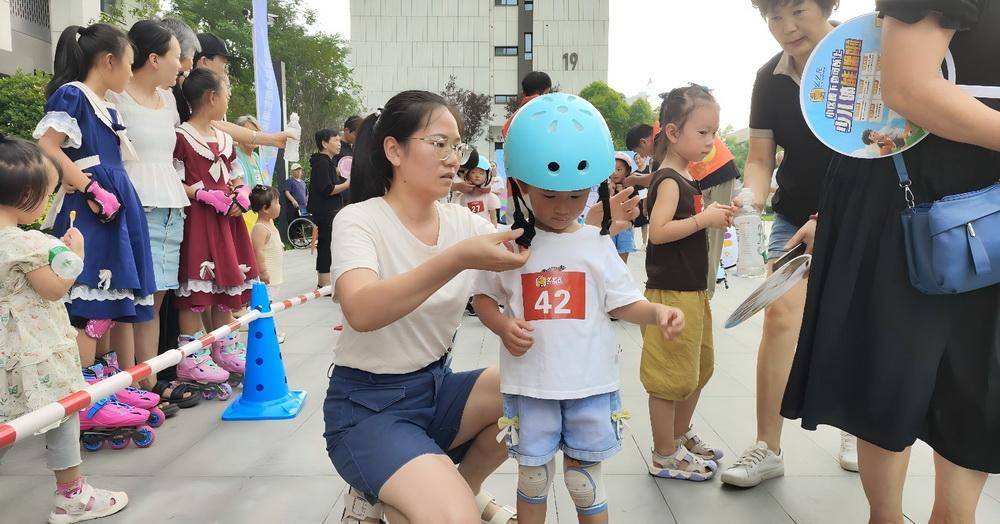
pixel 114 422
pixel 200 371
pixel 132 396
pixel 226 353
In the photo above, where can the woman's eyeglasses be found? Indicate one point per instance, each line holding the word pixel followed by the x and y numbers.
pixel 444 151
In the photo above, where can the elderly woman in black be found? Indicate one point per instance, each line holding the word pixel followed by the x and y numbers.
pixel 876 357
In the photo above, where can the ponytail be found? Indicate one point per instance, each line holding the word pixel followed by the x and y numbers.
pixel 79 47
pixel 192 93
pixel 371 172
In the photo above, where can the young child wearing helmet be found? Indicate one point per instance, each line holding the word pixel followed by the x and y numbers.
pixel 481 201
pixel 559 373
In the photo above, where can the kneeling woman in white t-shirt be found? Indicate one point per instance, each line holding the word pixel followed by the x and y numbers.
pixel 397 417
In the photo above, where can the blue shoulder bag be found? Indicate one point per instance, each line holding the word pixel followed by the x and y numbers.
pixel 953 244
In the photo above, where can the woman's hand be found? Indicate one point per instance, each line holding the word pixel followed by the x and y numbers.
pixel 805 235
pixel 516 336
pixel 491 252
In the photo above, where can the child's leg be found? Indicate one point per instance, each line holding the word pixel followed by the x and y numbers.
pixel 122 339
pixel 662 419
pixel 147 338
pixel 190 322
pixel 533 483
pixel 624 257
pixel 74 499
pixel 87 346
pixel 683 412
pixel 585 483
pixel 221 317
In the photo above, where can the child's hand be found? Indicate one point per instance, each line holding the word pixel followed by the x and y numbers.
pixel 516 336
pixel 624 206
pixel 670 320
pixel 74 241
pixel 717 216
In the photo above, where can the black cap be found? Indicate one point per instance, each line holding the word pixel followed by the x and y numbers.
pixel 212 45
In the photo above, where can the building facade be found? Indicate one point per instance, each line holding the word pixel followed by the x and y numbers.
pixel 487 45
pixel 30 29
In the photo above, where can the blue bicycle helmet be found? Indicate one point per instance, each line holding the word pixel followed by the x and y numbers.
pixel 559 142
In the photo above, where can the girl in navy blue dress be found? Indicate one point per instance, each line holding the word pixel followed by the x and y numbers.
pixel 86 137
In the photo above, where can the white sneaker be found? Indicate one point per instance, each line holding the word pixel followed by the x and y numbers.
pixel 755 465
pixel 848 451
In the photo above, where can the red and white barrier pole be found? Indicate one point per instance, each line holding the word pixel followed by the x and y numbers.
pixel 29 423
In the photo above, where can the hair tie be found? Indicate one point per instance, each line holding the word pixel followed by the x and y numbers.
pixel 378 118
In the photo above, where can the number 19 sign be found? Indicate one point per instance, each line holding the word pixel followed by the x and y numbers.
pixel 841 94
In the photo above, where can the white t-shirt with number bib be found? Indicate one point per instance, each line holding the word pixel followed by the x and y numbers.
pixel 483 205
pixel 566 290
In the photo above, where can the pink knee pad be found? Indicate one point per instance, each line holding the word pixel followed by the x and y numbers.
pixel 97 328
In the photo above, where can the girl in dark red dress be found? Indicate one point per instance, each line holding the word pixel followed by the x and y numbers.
pixel 217 266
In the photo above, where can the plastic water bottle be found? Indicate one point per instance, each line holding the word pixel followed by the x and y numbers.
pixel 292 145
pixel 65 263
pixel 750 232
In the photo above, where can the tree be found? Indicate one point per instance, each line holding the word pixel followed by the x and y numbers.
pixel 474 107
pixel 318 81
pixel 739 149
pixel 117 14
pixel 22 103
pixel 616 111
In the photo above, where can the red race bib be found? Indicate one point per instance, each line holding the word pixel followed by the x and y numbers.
pixel 699 204
pixel 477 206
pixel 554 295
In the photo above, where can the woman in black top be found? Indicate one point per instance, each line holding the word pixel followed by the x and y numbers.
pixel 325 187
pixel 876 357
pixel 776 120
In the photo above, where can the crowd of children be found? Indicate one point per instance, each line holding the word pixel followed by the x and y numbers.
pixel 130 222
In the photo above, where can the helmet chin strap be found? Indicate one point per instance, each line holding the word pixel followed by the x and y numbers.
pixel 528 225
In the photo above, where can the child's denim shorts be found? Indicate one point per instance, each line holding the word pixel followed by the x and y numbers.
pixel 586 429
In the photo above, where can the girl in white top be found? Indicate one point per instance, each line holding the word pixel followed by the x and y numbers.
pixel 150 113
pixel 267 245
pixel 396 415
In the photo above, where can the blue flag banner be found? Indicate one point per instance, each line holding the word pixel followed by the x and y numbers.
pixel 266 86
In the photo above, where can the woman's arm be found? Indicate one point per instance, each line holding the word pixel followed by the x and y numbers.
pixel 340 188
pixel 912 85
pixel 247 136
pixel 759 169
pixel 370 303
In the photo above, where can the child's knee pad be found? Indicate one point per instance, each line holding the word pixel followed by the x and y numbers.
pixel 533 482
pixel 586 487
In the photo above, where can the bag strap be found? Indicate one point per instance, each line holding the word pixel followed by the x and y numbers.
pixel 904 179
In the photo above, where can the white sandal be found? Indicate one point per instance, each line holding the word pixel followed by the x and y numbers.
pixel 501 515
pixel 357 509
pixel 90 503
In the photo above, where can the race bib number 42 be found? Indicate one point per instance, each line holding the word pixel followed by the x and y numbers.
pixel 554 295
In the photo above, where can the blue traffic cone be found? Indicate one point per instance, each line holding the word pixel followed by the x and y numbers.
pixel 265 388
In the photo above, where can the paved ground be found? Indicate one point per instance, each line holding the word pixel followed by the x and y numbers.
pixel 204 470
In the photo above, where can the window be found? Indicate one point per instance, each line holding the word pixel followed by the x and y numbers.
pixel 503 99
pixel 505 2
pixel 528 54
pixel 505 50
pixel 529 5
